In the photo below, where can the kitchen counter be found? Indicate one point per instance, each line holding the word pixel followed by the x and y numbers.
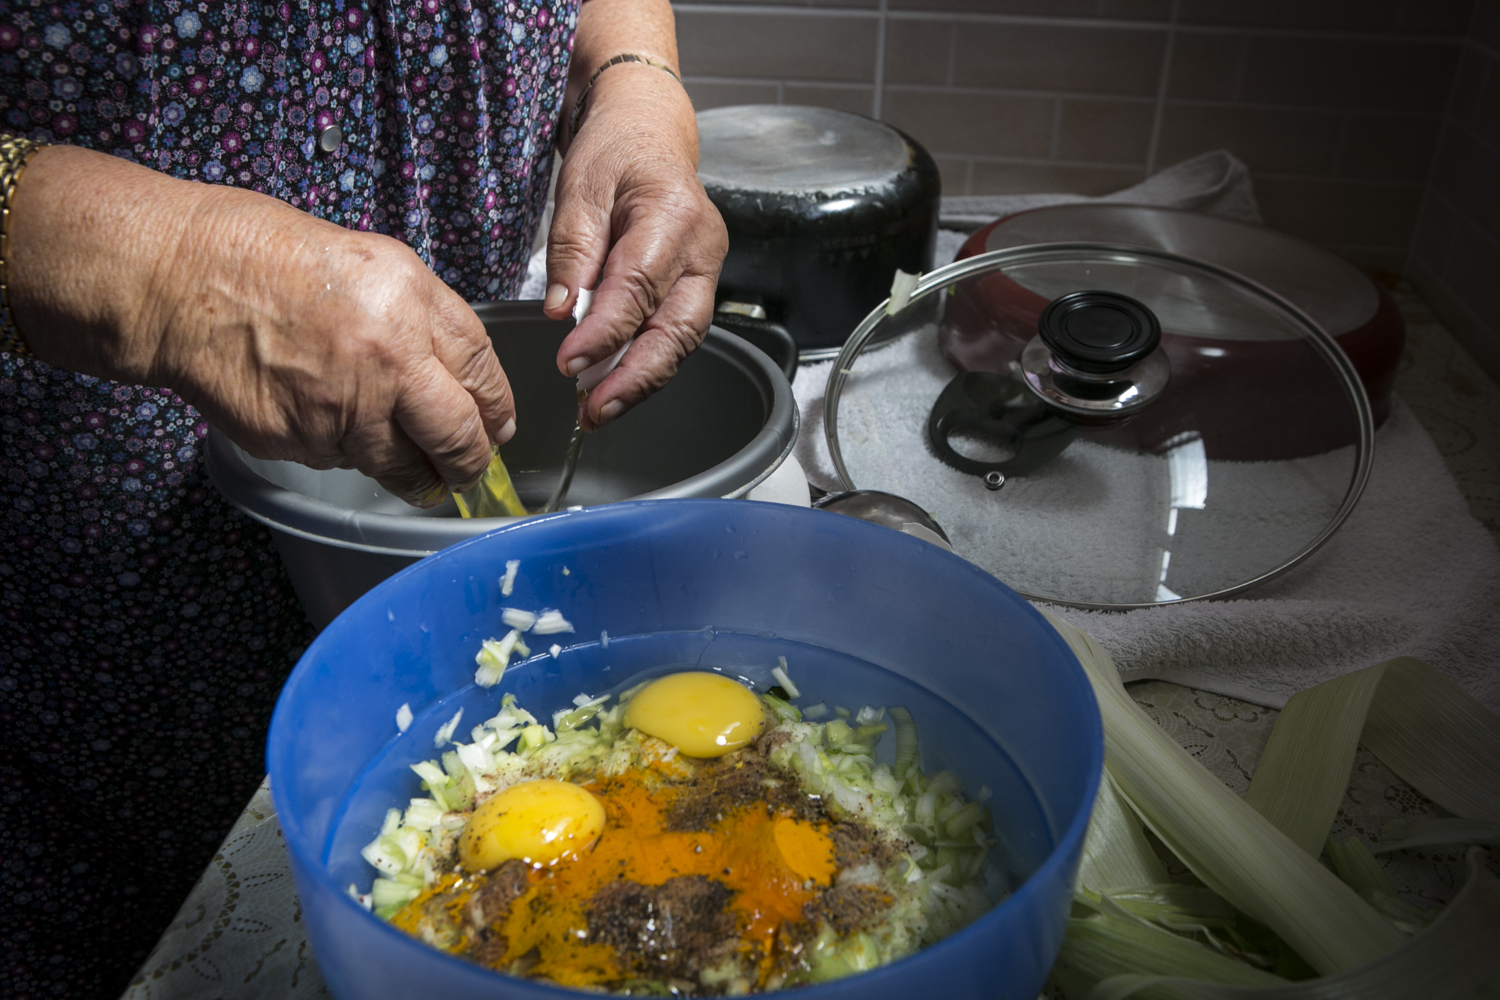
pixel 240 935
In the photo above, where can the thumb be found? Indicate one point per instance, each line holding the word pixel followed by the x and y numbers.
pixel 577 246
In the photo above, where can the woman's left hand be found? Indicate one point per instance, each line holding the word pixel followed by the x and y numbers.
pixel 632 220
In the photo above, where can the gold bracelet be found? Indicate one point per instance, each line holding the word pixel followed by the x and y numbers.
pixel 623 57
pixel 15 150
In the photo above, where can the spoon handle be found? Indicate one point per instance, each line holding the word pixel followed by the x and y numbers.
pixel 570 465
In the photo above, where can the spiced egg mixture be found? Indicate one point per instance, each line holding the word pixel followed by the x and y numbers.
pixel 695 838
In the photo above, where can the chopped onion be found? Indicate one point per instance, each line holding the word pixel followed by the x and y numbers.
pixel 493 657
pixel 445 731
pixel 430 773
pixel 403 718
pixel 902 285
pixel 779 672
pixel 549 622
pixel 555 650
pixel 518 619
pixel 508 581
pixel 906 742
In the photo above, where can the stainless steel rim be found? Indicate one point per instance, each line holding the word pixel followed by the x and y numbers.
pixel 305 517
pixel 1364 447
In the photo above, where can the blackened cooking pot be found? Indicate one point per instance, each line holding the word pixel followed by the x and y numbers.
pixel 822 208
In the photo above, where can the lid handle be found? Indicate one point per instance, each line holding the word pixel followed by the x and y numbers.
pixel 1098 333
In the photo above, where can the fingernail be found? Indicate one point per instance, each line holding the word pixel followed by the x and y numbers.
pixel 507 431
pixel 577 365
pixel 434 495
pixel 556 296
pixel 610 410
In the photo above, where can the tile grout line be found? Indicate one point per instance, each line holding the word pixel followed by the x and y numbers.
pixel 937 88
pixel 952 55
pixel 1084 23
pixel 1465 220
pixel 1159 112
pixel 1239 69
pixel 1056 140
pixel 1341 143
pixel 1428 190
pixel 877 110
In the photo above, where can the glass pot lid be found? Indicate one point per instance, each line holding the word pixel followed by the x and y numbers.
pixel 1105 426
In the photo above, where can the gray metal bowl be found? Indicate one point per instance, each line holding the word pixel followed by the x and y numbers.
pixel 723 424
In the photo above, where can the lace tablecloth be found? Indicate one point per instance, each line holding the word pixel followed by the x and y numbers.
pixel 240 934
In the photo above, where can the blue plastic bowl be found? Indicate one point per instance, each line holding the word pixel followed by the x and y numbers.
pixel 865 615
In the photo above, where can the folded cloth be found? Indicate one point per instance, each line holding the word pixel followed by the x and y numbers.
pixel 1216 183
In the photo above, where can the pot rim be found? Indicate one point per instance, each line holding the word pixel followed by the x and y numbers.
pixel 297 514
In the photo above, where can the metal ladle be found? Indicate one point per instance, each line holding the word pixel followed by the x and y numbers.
pixel 888 509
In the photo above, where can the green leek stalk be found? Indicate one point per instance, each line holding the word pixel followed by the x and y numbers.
pixel 1231 847
pixel 494 495
pixel 1420 724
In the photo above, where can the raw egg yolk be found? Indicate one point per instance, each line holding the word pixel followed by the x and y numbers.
pixel 701 714
pixel 539 822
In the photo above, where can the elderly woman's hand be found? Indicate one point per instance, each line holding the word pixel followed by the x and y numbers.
pixel 298 338
pixel 632 219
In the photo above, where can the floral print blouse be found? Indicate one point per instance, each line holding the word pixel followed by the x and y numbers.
pixel 146 625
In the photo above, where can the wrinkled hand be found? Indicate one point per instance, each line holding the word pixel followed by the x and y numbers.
pixel 298 338
pixel 632 216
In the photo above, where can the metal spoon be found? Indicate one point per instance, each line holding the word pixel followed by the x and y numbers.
pixel 570 466
pixel 587 379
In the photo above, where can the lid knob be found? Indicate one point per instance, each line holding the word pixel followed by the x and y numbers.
pixel 1100 333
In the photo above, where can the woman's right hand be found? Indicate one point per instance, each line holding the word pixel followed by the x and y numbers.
pixel 298 338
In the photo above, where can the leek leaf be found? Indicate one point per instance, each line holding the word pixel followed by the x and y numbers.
pixel 1425 728
pixel 1305 767
pixel 1450 960
pixel 1354 863
pixel 1099 946
pixel 1116 854
pixel 1233 849
pixel 1436 736
pixel 1400 834
pixel 493 496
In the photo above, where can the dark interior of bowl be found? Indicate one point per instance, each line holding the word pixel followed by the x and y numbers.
pixel 648 448
pixel 950 739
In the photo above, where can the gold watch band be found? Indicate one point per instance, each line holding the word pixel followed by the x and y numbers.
pixel 15 150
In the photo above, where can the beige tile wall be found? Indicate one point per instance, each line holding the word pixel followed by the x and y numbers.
pixel 1337 105
pixel 1455 256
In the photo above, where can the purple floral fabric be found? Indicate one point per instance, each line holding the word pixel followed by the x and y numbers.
pixel 146 625
pixel 447 109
